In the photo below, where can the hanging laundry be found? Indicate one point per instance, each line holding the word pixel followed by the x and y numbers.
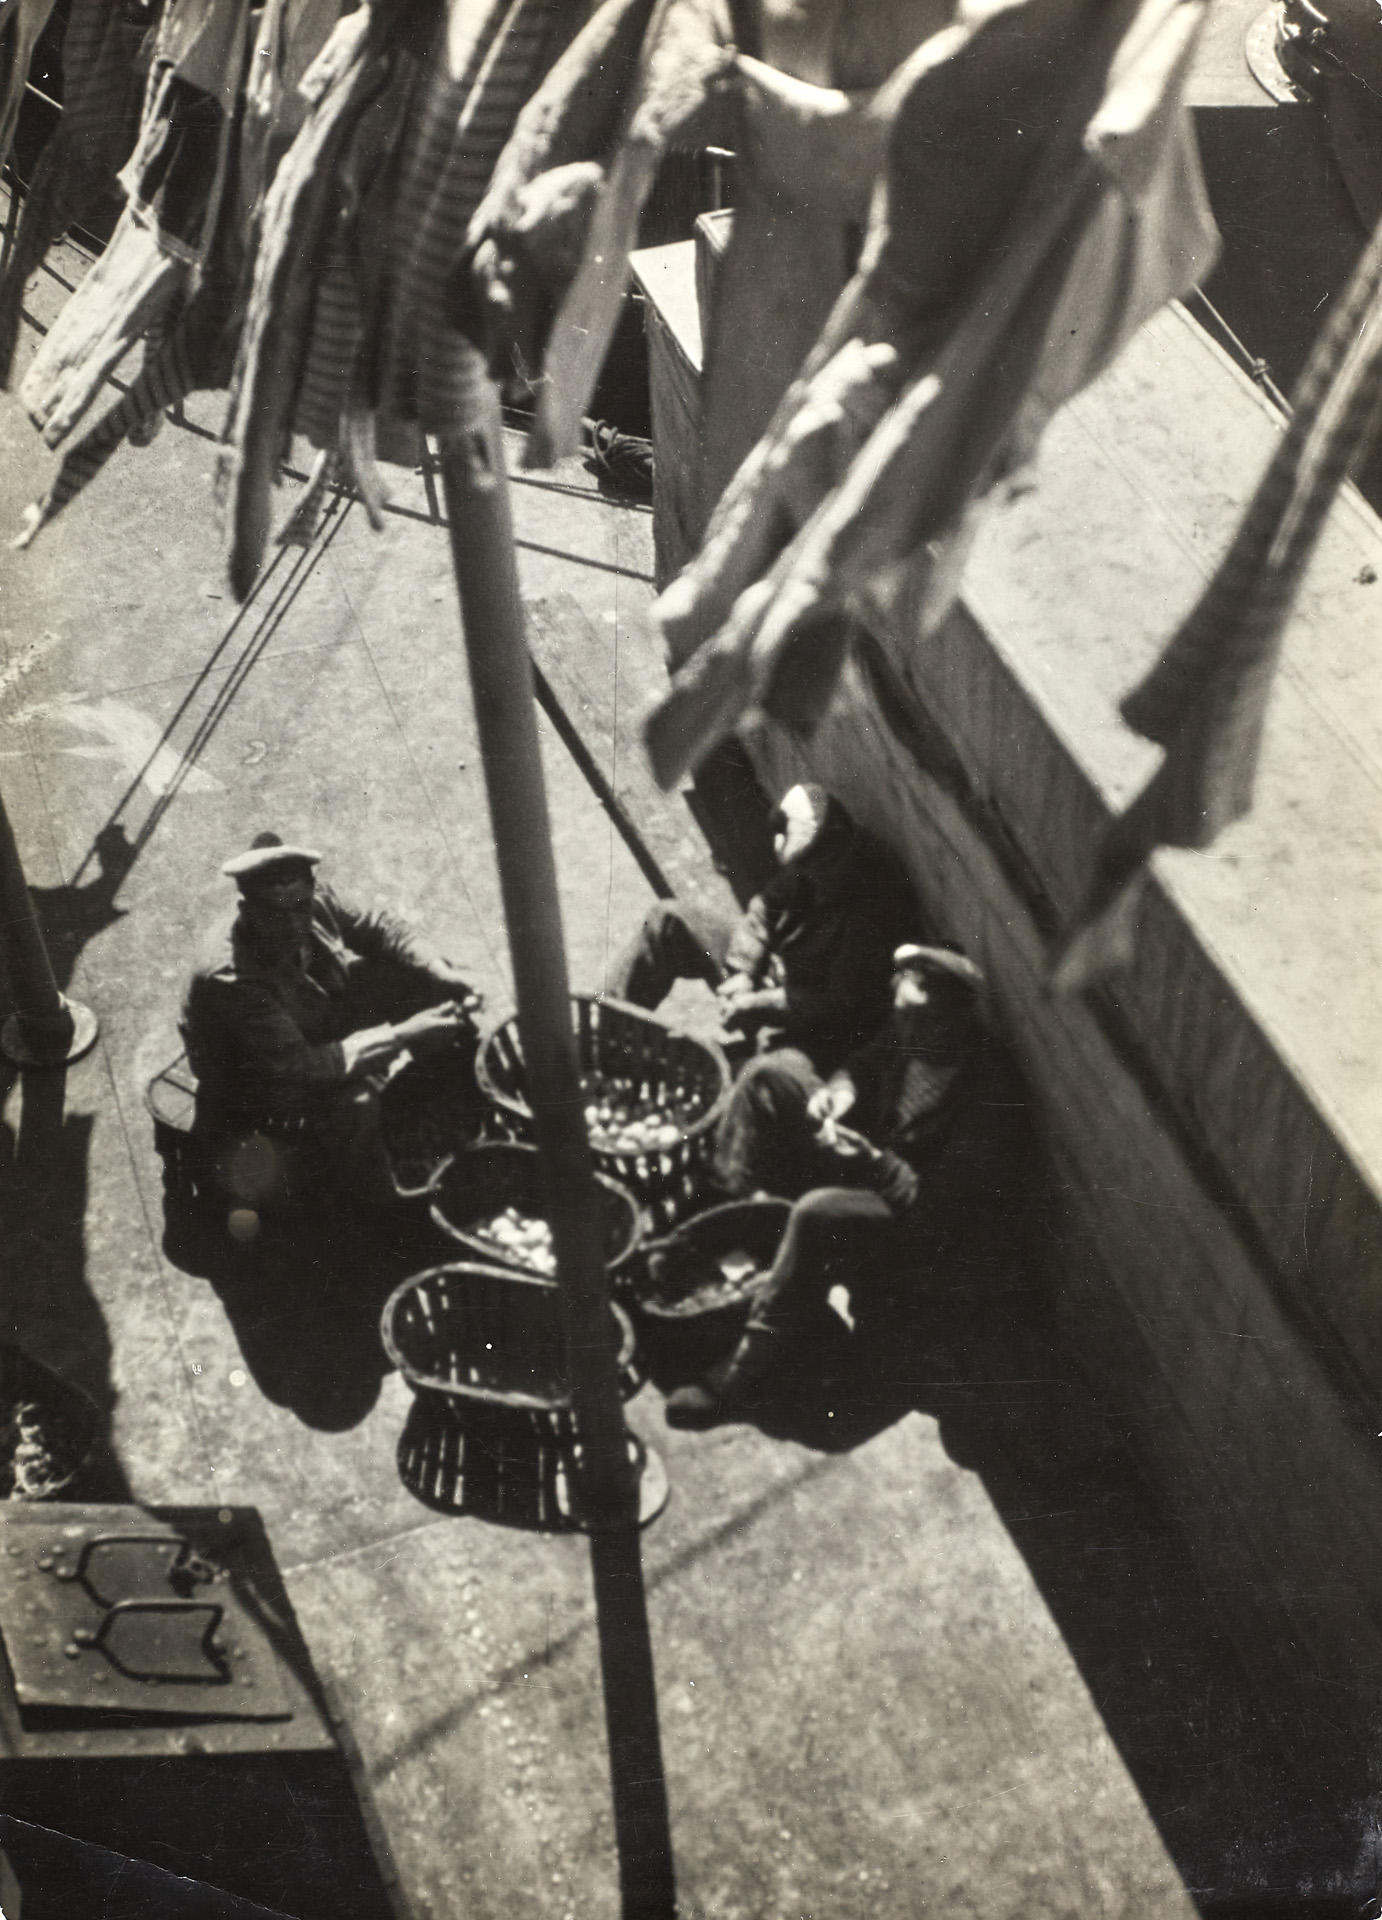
pixel 21 23
pixel 1205 700
pixel 810 148
pixel 192 324
pixel 350 72
pixel 358 332
pixel 1068 208
pixel 195 354
pixel 104 67
pixel 173 184
pixel 683 57
pixel 528 233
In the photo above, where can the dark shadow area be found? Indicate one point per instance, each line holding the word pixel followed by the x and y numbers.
pixel 304 1282
pixel 71 916
pixel 1261 1799
pixel 304 1301
pixel 49 1311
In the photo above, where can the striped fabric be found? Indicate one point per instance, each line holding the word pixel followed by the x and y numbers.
pixel 487 61
pixel 1205 701
pixel 166 379
pixel 21 22
pixel 355 335
pixel 104 67
pixel 173 183
pixel 192 353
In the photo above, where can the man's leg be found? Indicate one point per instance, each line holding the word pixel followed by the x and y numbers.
pixel 346 1131
pixel 675 942
pixel 834 1235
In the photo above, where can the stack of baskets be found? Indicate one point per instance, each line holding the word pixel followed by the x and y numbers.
pixel 481 1340
pixel 663 1068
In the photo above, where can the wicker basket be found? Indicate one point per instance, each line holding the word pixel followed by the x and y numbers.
pixel 613 1038
pixel 488 1336
pixel 481 1181
pixel 47 1428
pixel 675 1330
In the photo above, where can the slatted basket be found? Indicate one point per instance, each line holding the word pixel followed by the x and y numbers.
pixel 487 1336
pixel 688 1309
pixel 618 1041
pixel 481 1181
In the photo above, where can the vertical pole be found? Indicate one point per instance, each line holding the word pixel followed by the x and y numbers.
pixel 48 1029
pixel 481 531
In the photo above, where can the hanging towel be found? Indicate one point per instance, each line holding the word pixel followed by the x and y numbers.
pixel 1000 294
pixel 104 68
pixel 1205 700
pixel 809 149
pixel 190 337
pixel 687 58
pixel 350 71
pixel 360 329
pixel 173 183
pixel 528 234
pixel 195 354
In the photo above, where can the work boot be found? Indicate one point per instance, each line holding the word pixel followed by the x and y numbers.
pixel 728 1387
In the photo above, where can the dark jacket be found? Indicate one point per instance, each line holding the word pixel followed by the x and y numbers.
pixel 824 928
pixel 263 1032
pixel 966 1148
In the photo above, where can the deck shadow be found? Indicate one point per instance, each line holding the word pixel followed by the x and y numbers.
pixel 304 1304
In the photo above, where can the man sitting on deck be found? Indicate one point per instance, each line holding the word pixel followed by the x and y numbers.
pixel 298 1007
pixel 808 963
pixel 926 1176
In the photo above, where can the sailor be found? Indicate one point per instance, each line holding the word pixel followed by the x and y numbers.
pixel 301 1005
pixel 929 1164
pixel 808 963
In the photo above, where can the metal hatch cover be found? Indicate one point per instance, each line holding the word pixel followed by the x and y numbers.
pixel 114 1614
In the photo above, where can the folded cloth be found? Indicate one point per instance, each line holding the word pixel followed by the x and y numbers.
pixel 985 297
pixel 1205 700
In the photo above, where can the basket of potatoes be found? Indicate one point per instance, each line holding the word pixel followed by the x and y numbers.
pixel 690 1292
pixel 652 1095
pixel 489 1200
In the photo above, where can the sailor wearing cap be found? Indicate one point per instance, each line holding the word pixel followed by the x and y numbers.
pixel 301 1001
pixel 931 1158
pixel 807 963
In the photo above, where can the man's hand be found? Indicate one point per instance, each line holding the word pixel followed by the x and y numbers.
pixel 449 980
pixel 732 991
pixel 434 1028
pixel 741 1003
pixel 832 1101
pixel 846 1142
